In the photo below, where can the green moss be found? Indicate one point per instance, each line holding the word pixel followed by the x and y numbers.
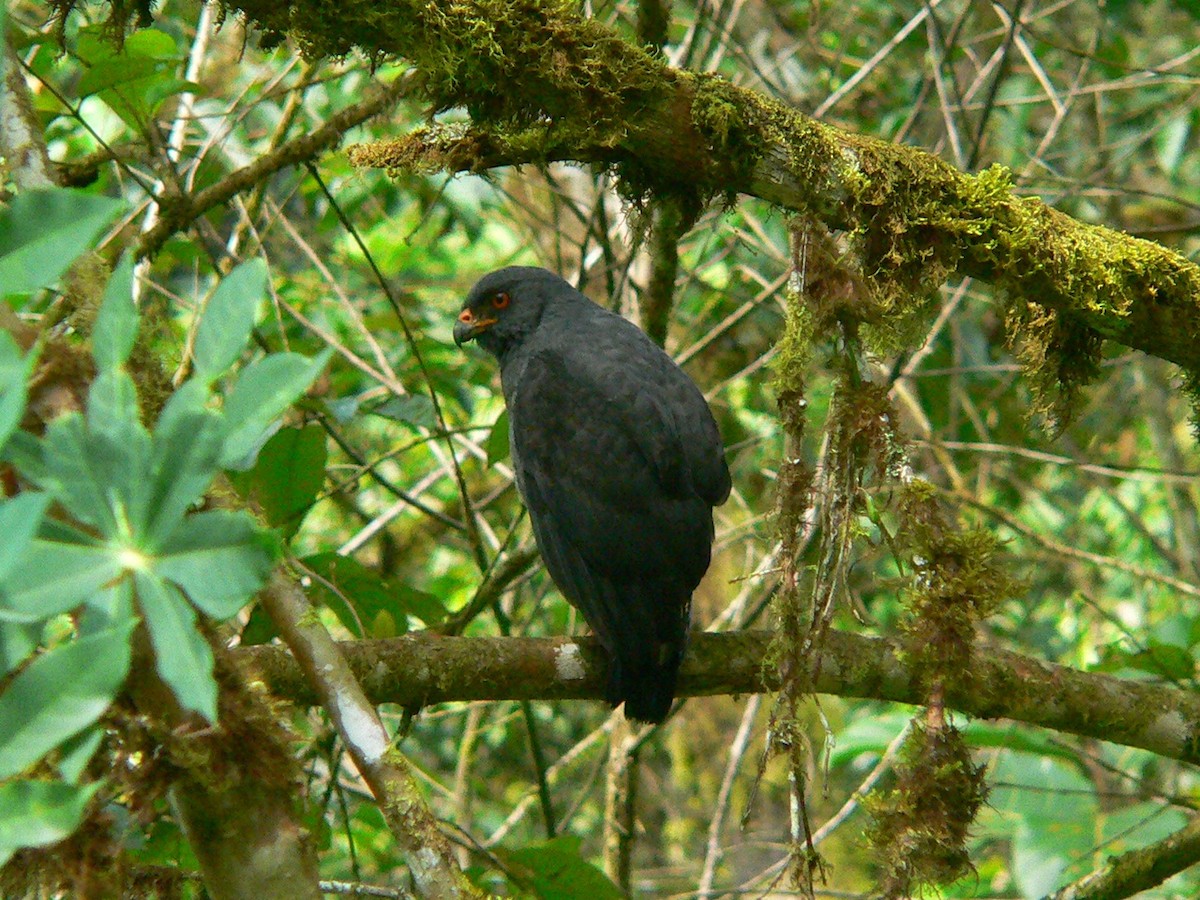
pixel 920 828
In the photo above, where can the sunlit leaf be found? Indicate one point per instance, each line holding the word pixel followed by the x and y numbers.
pixel 263 391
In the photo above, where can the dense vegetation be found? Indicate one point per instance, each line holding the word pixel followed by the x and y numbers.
pixel 956 583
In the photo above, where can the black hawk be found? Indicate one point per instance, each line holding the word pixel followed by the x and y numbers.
pixel 620 464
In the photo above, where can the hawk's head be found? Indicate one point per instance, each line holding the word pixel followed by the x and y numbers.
pixel 508 304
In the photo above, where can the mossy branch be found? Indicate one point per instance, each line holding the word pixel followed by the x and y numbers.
pixel 426 668
pixel 917 220
pixel 1138 870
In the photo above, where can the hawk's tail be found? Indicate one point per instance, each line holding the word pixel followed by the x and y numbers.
pixel 645 680
pixel 646 649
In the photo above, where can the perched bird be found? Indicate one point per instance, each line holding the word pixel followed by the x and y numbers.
pixel 619 461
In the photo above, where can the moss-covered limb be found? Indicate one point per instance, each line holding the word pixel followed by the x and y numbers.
pixel 232 787
pixel 424 668
pixel 668 225
pixel 431 863
pixel 1139 870
pixel 178 212
pixel 533 96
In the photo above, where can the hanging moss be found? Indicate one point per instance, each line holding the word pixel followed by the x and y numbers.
pixel 958 579
pixel 919 829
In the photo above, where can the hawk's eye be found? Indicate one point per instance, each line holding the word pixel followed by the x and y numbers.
pixel 500 299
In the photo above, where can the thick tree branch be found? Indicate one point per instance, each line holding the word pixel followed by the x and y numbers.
pixel 424 668
pixel 542 84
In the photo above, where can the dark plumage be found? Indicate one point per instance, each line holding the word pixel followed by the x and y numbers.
pixel 619 461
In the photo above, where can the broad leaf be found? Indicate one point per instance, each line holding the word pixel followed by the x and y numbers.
pixel 55 577
pixel 19 521
pixel 287 476
pixel 413 409
pixel 184 453
pixel 61 693
pixel 119 449
pixel 497 441
pixel 73 472
pixel 39 813
pixel 17 641
pixel 555 870
pixel 357 595
pixel 181 654
pixel 135 78
pixel 14 375
pixel 228 319
pixel 43 232
pixel 77 752
pixel 117 321
pixel 220 558
pixel 263 391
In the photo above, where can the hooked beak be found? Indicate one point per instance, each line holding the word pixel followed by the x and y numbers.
pixel 468 327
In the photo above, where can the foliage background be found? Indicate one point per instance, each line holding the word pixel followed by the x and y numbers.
pixel 1092 107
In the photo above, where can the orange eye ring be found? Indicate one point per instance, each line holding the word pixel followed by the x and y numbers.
pixel 501 299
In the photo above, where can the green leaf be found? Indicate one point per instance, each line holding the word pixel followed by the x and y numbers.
pixel 98 468
pixel 77 752
pixel 68 459
pixel 61 693
pixel 497 441
pixel 117 321
pixel 1168 661
pixel 181 654
pixel 263 391
pixel 27 455
pixel 355 593
pixel 260 628
pixel 17 641
pixel 228 319
pixel 184 459
pixel 362 599
pixel 39 813
pixel 412 409
pixel 555 870
pixel 219 558
pixel 287 477
pixel 55 577
pixel 19 521
pixel 14 375
pixel 43 232
pixel 112 411
pixel 134 78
